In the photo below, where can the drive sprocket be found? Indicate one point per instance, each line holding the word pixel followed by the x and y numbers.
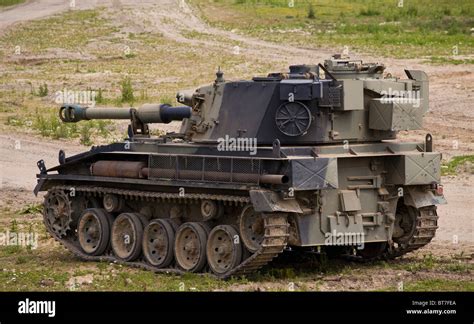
pixel 57 212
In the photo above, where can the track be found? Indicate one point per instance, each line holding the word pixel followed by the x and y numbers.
pixel 426 225
pixel 274 240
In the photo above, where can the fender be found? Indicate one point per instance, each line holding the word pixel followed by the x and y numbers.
pixel 269 201
pixel 418 198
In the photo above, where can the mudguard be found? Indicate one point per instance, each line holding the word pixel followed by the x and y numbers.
pixel 269 201
pixel 418 198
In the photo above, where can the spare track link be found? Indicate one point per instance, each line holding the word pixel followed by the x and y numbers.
pixel 274 240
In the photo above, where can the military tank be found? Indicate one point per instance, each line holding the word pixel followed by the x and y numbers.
pixel 305 160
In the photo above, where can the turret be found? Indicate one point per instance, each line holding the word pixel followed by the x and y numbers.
pixel 340 101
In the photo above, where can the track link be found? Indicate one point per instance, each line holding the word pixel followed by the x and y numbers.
pixel 274 240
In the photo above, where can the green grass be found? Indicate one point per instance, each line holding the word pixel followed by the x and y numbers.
pixel 423 28
pixel 31 209
pixel 433 263
pixel 449 60
pixel 40 35
pixel 439 285
pixel 48 124
pixel 454 166
pixel 6 3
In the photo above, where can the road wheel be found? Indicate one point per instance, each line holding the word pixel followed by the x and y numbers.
pixel 94 231
pixel 127 236
pixel 224 250
pixel 158 243
pixel 190 247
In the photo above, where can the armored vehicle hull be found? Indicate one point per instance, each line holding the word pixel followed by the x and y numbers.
pixel 197 202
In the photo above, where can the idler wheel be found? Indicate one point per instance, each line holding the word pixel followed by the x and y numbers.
pixel 405 223
pixel 224 250
pixel 158 242
pixel 190 247
pixel 94 231
pixel 127 236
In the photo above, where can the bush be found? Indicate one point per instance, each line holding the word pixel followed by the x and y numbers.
pixel 86 134
pixel 99 97
pixel 43 90
pixel 311 13
pixel 369 12
pixel 127 91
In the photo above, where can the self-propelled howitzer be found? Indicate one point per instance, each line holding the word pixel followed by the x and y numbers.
pixel 299 160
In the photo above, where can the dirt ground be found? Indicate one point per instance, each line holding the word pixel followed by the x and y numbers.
pixel 450 118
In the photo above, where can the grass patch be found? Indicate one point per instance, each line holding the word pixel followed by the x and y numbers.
pixel 418 29
pixel 429 262
pixel 6 3
pixel 31 209
pixel 450 60
pixel 49 125
pixel 127 90
pixel 38 36
pixel 439 285
pixel 458 164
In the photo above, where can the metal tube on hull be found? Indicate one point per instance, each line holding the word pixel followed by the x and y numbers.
pixel 129 169
pixel 121 169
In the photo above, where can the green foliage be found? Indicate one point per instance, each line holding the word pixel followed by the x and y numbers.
pixel 417 29
pixel 166 100
pixel 449 60
pixel 49 125
pixel 15 121
pixel 127 90
pixel 5 3
pixel 11 249
pixel 21 259
pixel 99 99
pixel 311 13
pixel 13 226
pixel 31 209
pixel 439 285
pixel 43 90
pixel 369 12
pixel 86 134
pixel 452 167
pixel 143 94
pixel 69 31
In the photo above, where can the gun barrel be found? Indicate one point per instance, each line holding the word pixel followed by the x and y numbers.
pixel 148 113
